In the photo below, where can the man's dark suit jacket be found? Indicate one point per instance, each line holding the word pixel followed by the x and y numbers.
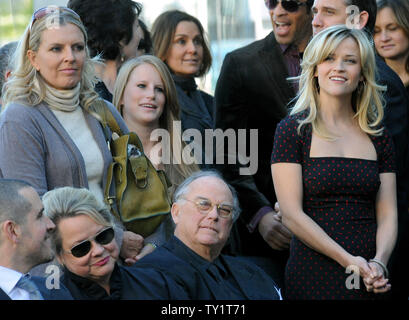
pixel 396 120
pixel 175 258
pixel 252 92
pixel 48 294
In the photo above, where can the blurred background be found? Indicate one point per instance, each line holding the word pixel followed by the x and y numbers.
pixel 229 24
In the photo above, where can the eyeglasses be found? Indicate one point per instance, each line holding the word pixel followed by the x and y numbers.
pixel 103 237
pixel 205 206
pixel 42 12
pixel 288 5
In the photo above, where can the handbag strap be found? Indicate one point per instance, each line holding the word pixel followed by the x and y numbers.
pixel 107 118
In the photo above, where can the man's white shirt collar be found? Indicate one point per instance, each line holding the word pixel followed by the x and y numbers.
pixel 8 281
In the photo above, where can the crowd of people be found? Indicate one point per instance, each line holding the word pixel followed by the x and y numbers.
pixel 324 217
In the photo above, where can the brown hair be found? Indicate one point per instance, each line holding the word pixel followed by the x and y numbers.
pixel 163 32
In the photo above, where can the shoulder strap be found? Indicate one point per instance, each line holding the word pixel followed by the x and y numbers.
pixel 107 118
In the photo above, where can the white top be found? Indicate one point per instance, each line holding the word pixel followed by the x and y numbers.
pixel 77 127
pixel 8 281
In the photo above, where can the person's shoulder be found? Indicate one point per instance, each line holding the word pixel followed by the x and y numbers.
pixel 208 98
pixel 52 290
pixel 387 75
pixel 18 106
pixel 293 120
pixel 253 48
pixel 19 111
pixel 242 264
pixel 161 257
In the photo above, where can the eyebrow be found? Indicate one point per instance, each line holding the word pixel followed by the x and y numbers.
pixel 40 212
pixel 62 44
pixel 227 202
pixel 326 8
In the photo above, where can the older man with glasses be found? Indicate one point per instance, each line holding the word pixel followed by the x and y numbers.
pixel 204 210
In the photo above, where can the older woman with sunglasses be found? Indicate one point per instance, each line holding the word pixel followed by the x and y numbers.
pixel 85 246
pixel 48 136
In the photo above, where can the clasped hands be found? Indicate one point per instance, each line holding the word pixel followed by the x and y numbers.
pixel 133 248
pixel 273 231
pixel 372 275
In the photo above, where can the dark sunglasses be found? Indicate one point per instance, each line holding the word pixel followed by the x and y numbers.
pixel 42 12
pixel 288 5
pixel 103 237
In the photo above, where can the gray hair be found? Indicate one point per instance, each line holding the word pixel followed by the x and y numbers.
pixel 13 206
pixel 184 188
pixel 68 202
pixel 6 53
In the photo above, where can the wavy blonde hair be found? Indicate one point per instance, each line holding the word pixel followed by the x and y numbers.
pixel 21 85
pixel 176 172
pixel 367 100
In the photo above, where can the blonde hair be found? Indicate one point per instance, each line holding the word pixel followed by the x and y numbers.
pixel 69 202
pixel 367 99
pixel 21 85
pixel 176 172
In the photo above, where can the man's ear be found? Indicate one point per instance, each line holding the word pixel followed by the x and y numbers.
pixel 363 19
pixel 175 212
pixel 11 231
pixel 32 55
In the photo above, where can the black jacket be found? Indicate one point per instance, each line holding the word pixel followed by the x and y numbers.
pixel 179 262
pixel 252 93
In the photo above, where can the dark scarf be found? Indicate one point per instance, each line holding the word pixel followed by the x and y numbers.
pixel 191 100
pixel 85 289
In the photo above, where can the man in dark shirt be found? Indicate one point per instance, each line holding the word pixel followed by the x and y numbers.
pixel 253 92
pixel 204 210
pixel 362 14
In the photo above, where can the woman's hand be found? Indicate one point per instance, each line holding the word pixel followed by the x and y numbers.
pixel 359 262
pixel 377 282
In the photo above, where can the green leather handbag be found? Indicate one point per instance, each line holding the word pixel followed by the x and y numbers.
pixel 136 192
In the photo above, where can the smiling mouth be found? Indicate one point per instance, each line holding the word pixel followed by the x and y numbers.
pixel 209 228
pixel 69 70
pixel 387 46
pixel 338 79
pixel 149 106
pixel 102 262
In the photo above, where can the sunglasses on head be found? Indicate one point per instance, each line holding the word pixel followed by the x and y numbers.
pixel 288 5
pixel 42 12
pixel 103 237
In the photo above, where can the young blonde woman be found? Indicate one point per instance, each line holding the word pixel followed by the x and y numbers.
pixel 333 171
pixel 145 95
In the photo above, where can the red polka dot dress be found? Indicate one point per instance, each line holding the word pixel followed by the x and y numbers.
pixel 339 195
